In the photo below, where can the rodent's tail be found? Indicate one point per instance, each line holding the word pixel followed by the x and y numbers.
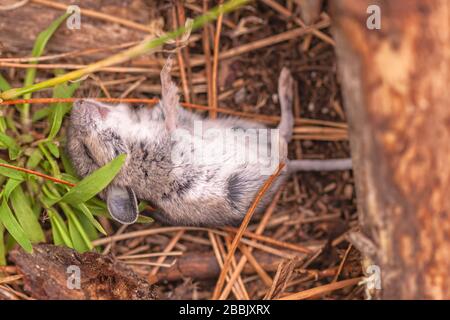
pixel 320 165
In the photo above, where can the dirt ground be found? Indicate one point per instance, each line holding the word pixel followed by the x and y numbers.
pixel 314 211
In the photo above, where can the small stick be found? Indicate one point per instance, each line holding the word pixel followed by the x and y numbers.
pixel 70 66
pixel 10 279
pixel 244 225
pixel 275 242
pixel 270 41
pixel 288 14
pixel 239 281
pixel 98 15
pixel 219 258
pixel 150 255
pixel 168 248
pixel 259 270
pixel 259 230
pixel 154 264
pixel 70 54
pixel 341 265
pixel 109 246
pixel 100 83
pixel 255 116
pixel 132 87
pixel 36 173
pixel 322 289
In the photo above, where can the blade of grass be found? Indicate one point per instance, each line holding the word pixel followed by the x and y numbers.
pixel 9 187
pixel 53 164
pixel 11 173
pixel 60 109
pixel 13 227
pixel 53 148
pixel 13 149
pixel 41 114
pixel 4 84
pixel 88 214
pixel 26 216
pixel 80 235
pixel 67 165
pixel 34 159
pixel 38 49
pixel 59 229
pixel 91 231
pixel 94 183
pixel 2 246
pixel 77 240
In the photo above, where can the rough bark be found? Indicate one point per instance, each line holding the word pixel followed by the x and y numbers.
pixel 45 275
pixel 395 86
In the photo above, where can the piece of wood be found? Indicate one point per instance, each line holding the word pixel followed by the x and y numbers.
pixel 203 265
pixel 45 275
pixel 395 87
pixel 20 27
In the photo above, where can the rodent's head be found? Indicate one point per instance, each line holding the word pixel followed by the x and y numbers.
pixel 93 136
pixel 93 140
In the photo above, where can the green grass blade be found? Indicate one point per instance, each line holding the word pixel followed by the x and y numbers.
pixel 4 85
pixel 67 164
pixel 91 231
pixel 94 183
pixel 60 109
pixel 53 164
pixel 10 143
pixel 26 216
pixel 88 214
pixel 79 237
pixel 38 49
pixel 77 240
pixel 9 187
pixel 41 114
pixel 11 173
pixel 53 148
pixel 15 230
pixel 69 178
pixel 59 229
pixel 2 246
pixel 34 159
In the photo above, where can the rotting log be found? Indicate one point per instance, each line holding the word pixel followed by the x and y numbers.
pixel 47 271
pixel 395 88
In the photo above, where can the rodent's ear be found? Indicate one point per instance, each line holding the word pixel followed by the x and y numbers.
pixel 122 204
pixel 92 108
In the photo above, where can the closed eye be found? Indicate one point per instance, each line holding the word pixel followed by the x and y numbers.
pixel 88 153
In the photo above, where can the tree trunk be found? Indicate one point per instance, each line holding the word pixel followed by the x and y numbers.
pixel 396 91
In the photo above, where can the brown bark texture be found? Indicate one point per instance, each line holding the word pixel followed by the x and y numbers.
pixel 395 84
pixel 47 270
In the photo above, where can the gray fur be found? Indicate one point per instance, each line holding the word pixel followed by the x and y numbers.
pixel 185 192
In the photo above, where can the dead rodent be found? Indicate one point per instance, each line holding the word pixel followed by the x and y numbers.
pixel 199 177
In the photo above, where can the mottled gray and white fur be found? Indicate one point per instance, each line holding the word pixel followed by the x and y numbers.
pixel 184 192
